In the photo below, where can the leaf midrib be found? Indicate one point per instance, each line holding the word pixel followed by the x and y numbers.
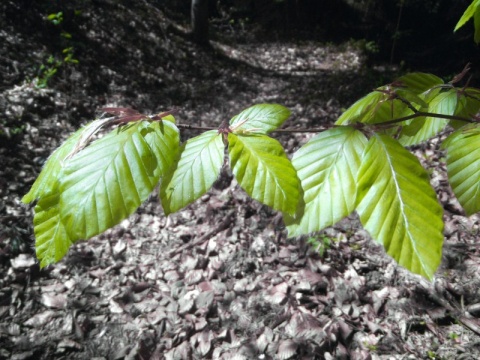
pixel 402 208
pixel 259 159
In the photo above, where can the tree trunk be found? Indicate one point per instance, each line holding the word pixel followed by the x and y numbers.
pixel 199 15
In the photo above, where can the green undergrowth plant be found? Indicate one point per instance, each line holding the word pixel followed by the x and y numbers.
pixel 320 243
pixel 360 164
pixel 50 67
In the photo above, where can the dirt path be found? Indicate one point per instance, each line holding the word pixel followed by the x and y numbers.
pixel 139 291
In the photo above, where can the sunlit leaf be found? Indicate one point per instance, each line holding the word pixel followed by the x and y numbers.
pixel 108 180
pixel 471 10
pixel 398 206
pixel 263 170
pixel 169 118
pixel 327 167
pixel 463 166
pixel 48 177
pixel 51 239
pixel 197 168
pixel 261 118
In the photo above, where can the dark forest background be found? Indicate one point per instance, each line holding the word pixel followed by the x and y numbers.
pixel 415 33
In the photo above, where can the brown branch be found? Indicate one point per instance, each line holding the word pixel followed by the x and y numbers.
pixel 287 130
pixel 426 114
pixel 192 127
pixel 416 114
pixel 312 130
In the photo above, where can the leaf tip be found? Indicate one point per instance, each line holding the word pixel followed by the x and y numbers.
pixel 27 198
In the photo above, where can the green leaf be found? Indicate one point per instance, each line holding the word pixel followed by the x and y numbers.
pixel 463 166
pixel 471 10
pixel 387 110
pixel 421 129
pixel 398 206
pixel 374 108
pixel 261 118
pixel 468 105
pixel 476 22
pixel 49 175
pixel 263 170
pixel 378 107
pixel 197 167
pixel 163 139
pixel 107 181
pixel 411 97
pixel 169 118
pixel 356 112
pixel 419 82
pixel 51 239
pixel 327 166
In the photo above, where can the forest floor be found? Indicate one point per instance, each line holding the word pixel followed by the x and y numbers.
pixel 244 291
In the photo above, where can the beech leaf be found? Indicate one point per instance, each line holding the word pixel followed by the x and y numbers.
pixel 107 181
pixel 398 206
pixel 261 118
pixel 463 166
pixel 327 167
pixel 51 238
pixel 197 167
pixel 49 176
pixel 467 15
pixel 263 170
pixel 445 103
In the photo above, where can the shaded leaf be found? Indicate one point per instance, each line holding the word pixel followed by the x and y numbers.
pixel 423 128
pixel 163 139
pixel 468 105
pixel 476 23
pixel 261 118
pixel 263 170
pixel 381 105
pixel 374 108
pixel 197 167
pixel 356 112
pixel 398 206
pixel 412 97
pixel 418 82
pixel 327 167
